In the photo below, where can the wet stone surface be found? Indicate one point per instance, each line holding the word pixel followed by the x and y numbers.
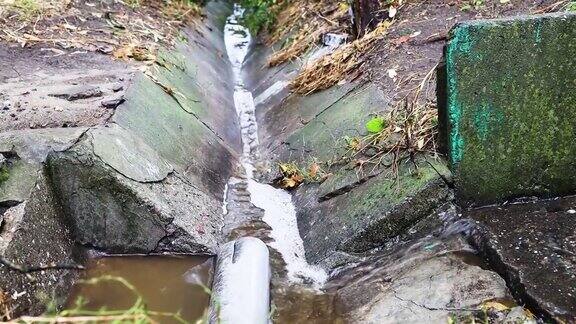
pixel 533 246
pixel 511 134
pixel 425 281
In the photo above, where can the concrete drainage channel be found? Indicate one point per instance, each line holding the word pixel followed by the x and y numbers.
pixel 145 188
pixel 242 281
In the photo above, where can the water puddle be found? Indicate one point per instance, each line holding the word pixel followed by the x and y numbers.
pixel 166 284
pixel 279 211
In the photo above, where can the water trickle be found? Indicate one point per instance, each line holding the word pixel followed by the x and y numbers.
pixel 279 211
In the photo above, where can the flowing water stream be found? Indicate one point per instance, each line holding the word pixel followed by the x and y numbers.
pixel 279 211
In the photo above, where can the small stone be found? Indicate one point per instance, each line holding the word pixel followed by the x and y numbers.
pixel 117 87
pixel 6 105
pixel 113 103
pixel 78 92
pixel 2 160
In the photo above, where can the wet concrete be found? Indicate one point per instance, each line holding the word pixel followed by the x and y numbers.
pixel 533 246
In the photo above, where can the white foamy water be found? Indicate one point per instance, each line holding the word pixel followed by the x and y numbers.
pixel 279 211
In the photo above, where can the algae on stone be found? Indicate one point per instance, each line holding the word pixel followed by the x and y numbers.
pixel 510 107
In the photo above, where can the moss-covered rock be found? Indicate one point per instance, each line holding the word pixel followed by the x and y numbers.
pixel 509 113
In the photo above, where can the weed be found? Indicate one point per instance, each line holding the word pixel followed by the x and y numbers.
pixel 27 9
pixel 260 15
pixel 571 6
pixel 407 130
pixel 137 313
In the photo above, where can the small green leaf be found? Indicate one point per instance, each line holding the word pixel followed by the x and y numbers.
pixel 375 125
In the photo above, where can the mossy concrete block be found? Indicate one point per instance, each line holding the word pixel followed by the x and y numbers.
pixel 282 116
pixel 355 210
pixel 202 87
pixel 33 145
pixel 323 137
pixel 111 211
pixel 508 104
pixel 371 214
pixel 178 136
pixel 18 180
pixel 532 245
pixel 129 155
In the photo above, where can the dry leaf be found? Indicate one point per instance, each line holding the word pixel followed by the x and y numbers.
pixel 495 305
pixel 314 168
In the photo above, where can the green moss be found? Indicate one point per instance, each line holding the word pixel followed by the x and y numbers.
pixel 323 137
pixel 511 103
pixel 4 175
pixel 386 206
pixel 391 191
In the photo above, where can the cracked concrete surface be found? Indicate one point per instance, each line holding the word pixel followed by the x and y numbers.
pixel 422 283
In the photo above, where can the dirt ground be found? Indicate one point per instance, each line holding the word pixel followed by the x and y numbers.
pixel 32 78
pixel 66 63
pixel 413 46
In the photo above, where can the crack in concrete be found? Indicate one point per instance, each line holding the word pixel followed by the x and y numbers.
pixel 510 274
pixel 449 309
pixel 347 188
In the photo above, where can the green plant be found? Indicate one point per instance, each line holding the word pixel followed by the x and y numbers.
pixel 27 8
pixel 571 6
pixel 258 14
pixel 408 129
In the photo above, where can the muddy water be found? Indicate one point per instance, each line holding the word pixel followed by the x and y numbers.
pixel 167 284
